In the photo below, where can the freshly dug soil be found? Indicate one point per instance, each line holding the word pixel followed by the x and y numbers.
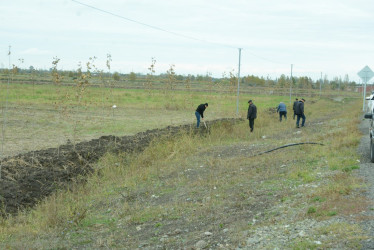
pixel 28 178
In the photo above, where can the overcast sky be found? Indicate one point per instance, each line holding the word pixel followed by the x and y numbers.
pixel 334 37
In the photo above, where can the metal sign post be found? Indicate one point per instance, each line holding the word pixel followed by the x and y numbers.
pixel 365 74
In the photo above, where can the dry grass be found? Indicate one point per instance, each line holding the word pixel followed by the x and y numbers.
pixel 193 184
pixel 348 235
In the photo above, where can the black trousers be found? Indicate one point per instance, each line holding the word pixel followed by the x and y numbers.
pixel 251 123
pixel 282 113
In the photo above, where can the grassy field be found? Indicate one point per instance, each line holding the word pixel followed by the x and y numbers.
pixel 212 189
pixel 41 116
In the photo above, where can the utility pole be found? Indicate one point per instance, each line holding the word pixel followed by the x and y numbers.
pixel 363 105
pixel 237 99
pixel 291 85
pixel 6 108
pixel 320 86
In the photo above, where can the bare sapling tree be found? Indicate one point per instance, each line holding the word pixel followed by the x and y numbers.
pixel 169 88
pixel 187 83
pixel 209 78
pixel 218 84
pixel 5 108
pixel 98 79
pixel 103 87
pixel 57 78
pixel 232 81
pixel 188 98
pixel 80 89
pixel 171 80
pixel 16 71
pixel 150 76
pixel 110 83
pixel 60 101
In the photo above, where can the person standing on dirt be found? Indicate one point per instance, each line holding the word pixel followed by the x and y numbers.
pixel 300 113
pixel 252 114
pixel 294 107
pixel 282 110
pixel 200 112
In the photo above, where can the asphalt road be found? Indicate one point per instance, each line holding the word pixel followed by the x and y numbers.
pixel 366 172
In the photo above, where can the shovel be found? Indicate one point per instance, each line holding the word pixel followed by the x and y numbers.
pixel 205 124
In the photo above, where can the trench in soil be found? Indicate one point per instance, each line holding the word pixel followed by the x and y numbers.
pixel 28 178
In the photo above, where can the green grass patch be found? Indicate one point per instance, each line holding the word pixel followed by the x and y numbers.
pixel 311 210
pixel 302 244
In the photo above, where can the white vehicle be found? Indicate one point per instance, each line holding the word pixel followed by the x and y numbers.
pixel 371 133
pixel 370 106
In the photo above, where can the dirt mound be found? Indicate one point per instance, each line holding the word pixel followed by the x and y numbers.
pixel 271 110
pixel 28 178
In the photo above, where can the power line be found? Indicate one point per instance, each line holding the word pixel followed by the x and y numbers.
pixel 154 27
pixel 172 32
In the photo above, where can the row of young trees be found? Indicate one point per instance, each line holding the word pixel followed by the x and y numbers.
pixel 250 80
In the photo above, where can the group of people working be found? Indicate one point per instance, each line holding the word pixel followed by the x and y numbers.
pixel 298 111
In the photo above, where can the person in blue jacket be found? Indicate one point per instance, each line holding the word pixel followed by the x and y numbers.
pixel 282 110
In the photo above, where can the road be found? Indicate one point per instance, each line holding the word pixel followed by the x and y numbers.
pixel 366 172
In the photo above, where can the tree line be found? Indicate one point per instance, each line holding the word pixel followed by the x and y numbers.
pixel 282 81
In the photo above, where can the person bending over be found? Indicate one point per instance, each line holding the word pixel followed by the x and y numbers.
pixel 200 112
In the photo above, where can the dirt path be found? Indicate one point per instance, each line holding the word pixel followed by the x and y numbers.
pixel 366 172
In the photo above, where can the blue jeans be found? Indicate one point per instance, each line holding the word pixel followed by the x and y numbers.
pixel 298 120
pixel 198 119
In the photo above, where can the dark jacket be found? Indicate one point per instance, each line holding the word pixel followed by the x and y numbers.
pixel 294 105
pixel 252 112
pixel 200 109
pixel 299 110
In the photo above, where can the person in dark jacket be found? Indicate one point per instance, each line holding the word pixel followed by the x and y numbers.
pixel 282 110
pixel 200 112
pixel 252 114
pixel 294 107
pixel 299 110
